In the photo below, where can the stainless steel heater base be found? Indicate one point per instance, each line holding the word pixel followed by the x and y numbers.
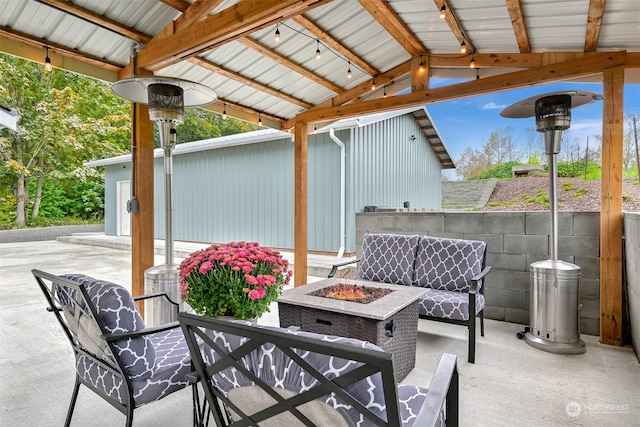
pixel 577 347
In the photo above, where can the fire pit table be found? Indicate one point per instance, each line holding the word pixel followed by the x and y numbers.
pixel 390 321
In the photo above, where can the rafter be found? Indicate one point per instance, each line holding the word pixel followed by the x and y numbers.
pixel 180 5
pixel 519 26
pixel 10 34
pixel 229 24
pixel 248 82
pixel 196 12
pixel 594 22
pixel 389 19
pixel 589 65
pixel 334 44
pixel 454 24
pixel 271 53
pixel 243 112
pixel 100 20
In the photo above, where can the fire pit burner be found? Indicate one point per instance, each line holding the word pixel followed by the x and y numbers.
pixel 353 293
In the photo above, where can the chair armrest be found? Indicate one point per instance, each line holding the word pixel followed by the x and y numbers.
pixel 334 268
pixel 155 295
pixel 147 331
pixel 443 391
pixel 473 289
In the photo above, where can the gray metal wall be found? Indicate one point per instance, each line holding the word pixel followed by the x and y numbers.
pixel 245 192
pixel 113 174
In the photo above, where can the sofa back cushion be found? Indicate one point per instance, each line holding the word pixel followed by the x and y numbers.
pixel 448 264
pixel 388 258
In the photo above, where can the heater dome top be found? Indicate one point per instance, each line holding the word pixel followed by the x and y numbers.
pixel 135 89
pixel 527 107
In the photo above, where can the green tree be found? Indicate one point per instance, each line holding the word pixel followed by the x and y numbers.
pixel 65 120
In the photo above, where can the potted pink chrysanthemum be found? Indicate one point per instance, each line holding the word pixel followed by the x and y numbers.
pixel 238 279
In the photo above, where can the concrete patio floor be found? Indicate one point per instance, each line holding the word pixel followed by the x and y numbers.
pixel 510 384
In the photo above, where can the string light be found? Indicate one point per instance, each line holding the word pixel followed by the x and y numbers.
pixel 318 54
pixel 443 11
pixel 384 93
pixel 315 129
pixel 472 64
pixel 47 61
pixel 277 36
pixel 373 84
pixel 477 73
pixel 224 111
pixel 259 119
pixel 349 71
pixel 463 47
pixel 421 65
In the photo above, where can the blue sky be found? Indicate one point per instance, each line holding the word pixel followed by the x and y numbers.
pixel 469 122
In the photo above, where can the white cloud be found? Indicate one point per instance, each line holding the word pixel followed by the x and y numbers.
pixel 492 106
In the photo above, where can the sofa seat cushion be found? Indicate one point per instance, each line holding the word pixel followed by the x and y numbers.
pixel 448 264
pixel 171 348
pixel 448 305
pixel 388 258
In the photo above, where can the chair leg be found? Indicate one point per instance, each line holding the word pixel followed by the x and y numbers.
pixel 472 339
pixel 129 421
pixel 72 404
pixel 482 322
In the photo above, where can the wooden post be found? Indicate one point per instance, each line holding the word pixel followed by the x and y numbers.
pixel 611 209
pixel 142 250
pixel 301 194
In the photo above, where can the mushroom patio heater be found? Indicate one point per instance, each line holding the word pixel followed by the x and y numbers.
pixel 166 98
pixel 554 284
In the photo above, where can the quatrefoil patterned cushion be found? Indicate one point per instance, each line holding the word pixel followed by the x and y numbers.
pixel 448 264
pixel 119 313
pixel 388 258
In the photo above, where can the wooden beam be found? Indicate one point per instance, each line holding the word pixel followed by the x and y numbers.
pixel 242 112
pixel 218 69
pixel 94 61
pixel 589 65
pixel 142 233
pixel 198 10
pixel 334 44
pixel 611 208
pixel 275 56
pixel 234 22
pixel 180 5
pixel 594 22
pixel 390 21
pixel 100 20
pixel 455 25
pixel 519 25
pixel 301 194
pixel 420 73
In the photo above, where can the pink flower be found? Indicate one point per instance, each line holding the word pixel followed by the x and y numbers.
pixel 251 279
pixel 205 267
pixel 257 293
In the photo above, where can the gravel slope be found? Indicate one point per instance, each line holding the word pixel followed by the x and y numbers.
pixel 574 194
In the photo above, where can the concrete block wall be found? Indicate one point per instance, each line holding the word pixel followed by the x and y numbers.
pixel 632 260
pixel 514 241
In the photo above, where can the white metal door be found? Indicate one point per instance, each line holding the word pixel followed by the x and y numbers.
pixel 123 217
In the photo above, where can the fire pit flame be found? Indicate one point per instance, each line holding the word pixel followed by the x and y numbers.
pixel 353 293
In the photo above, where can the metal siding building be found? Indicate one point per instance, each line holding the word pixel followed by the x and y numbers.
pixel 240 187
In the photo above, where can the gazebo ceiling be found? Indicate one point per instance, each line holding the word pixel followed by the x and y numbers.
pixel 230 45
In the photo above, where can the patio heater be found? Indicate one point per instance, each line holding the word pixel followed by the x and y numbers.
pixel 554 284
pixel 166 98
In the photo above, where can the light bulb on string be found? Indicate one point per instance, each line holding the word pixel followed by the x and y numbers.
pixel 373 84
pixel 224 111
pixel 47 60
pixel 443 11
pixel 259 119
pixel 477 73
pixel 384 92
pixel 472 64
pixel 318 54
pixel 349 71
pixel 277 36
pixel 315 129
pixel 463 47
pixel 421 65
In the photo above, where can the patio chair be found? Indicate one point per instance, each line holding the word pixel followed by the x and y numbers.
pixel 116 356
pixel 268 376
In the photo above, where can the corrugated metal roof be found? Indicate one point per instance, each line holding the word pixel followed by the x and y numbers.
pixel 345 30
